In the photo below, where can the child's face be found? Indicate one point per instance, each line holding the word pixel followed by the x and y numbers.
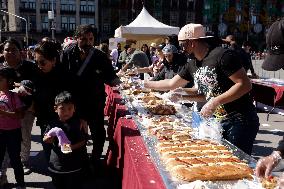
pixel 65 111
pixel 3 84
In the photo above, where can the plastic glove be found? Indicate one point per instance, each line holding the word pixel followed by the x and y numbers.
pixel 209 108
pixel 59 133
pixel 266 164
pixel 179 90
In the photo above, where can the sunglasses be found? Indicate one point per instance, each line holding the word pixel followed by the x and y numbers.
pixel 183 44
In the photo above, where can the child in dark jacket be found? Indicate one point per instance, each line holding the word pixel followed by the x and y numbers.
pixel 69 154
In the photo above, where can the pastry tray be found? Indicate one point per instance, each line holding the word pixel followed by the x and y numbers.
pixel 184 114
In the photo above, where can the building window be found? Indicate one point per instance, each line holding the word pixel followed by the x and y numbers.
pixel 44 22
pixel 123 17
pixel 68 5
pixel 68 23
pixel 3 4
pixel 207 28
pixel 32 23
pixel 158 4
pixel 87 6
pixel 174 18
pixel 87 20
pixel 238 6
pixel 91 6
pixel 72 23
pixel 207 5
pixel 238 18
pixel 205 19
pixel 253 19
pixel 28 4
pixel 106 15
pixel 106 28
pixel 47 4
pixel 190 4
pixel 174 3
pixel 158 15
pixel 83 6
pixel 190 17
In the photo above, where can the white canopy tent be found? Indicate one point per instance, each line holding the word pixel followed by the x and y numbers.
pixel 145 27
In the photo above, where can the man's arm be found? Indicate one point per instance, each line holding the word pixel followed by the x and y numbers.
pixel 126 66
pixel 242 86
pixel 167 84
pixel 148 69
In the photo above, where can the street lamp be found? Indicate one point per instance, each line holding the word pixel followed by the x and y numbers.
pixel 27 37
pixel 51 18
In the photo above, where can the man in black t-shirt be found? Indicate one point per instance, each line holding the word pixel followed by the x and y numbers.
pixel 223 81
pixel 89 69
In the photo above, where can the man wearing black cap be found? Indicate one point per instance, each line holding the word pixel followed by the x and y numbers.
pixel 273 61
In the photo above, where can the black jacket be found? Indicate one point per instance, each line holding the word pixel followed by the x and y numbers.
pixel 88 88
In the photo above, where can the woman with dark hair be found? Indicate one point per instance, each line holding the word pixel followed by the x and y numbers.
pixel 48 84
pixel 146 50
pixel 25 70
pixel 173 40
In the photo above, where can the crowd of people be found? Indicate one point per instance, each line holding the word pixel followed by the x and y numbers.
pixel 63 87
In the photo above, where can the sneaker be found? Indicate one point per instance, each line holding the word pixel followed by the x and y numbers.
pixel 3 180
pixel 27 170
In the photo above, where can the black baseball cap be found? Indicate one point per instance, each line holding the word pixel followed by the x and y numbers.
pixel 274 59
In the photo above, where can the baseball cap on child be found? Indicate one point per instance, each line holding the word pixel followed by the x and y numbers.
pixel 192 31
pixel 169 49
pixel 274 59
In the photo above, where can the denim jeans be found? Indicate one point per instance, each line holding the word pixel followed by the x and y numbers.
pixel 240 129
pixel 10 140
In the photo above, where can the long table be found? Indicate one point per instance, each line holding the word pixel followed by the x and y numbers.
pixel 268 93
pixel 127 153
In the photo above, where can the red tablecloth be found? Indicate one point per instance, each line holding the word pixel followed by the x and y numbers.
pixel 109 93
pixel 130 156
pixel 271 95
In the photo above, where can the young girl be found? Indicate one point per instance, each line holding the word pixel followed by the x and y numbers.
pixel 10 124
